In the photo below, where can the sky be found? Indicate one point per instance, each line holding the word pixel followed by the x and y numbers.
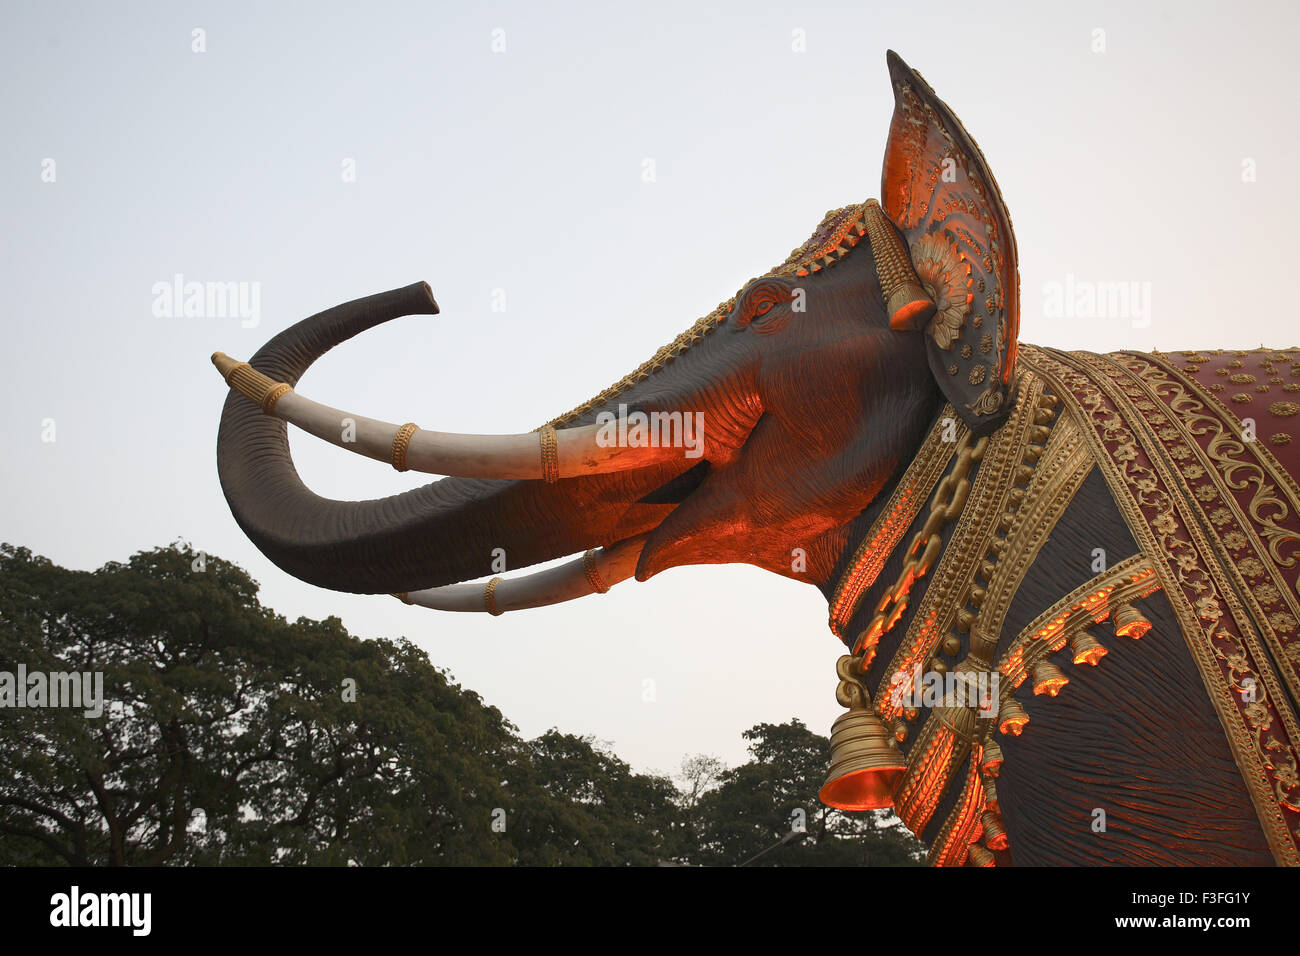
pixel 318 152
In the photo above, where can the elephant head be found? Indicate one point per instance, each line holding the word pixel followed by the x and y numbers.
pixel 782 414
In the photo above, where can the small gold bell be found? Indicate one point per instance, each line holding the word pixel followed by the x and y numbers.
pixel 1129 622
pixel 1048 679
pixel 1012 717
pixel 991 762
pixel 980 856
pixel 866 767
pixel 995 837
pixel 1086 649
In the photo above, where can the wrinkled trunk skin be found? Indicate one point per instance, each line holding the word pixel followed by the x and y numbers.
pixel 445 531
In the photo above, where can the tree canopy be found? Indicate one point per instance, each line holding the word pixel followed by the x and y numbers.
pixel 232 736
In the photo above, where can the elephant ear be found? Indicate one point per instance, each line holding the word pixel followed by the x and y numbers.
pixel 937 188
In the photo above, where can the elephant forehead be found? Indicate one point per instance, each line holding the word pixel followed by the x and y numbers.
pixel 839 231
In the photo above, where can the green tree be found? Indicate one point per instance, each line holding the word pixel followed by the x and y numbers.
pixel 236 737
pixel 753 806
pixel 601 812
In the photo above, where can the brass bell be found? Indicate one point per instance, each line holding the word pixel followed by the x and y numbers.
pixel 866 766
pixel 995 837
pixel 991 795
pixel 1086 649
pixel 1012 717
pixel 1048 679
pixel 991 761
pixel 1129 622
pixel 980 856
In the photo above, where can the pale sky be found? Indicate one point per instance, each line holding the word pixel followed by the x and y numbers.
pixel 521 170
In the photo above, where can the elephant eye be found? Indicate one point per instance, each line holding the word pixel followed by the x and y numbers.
pixel 758 303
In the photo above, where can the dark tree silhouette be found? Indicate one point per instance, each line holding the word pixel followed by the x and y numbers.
pixel 234 736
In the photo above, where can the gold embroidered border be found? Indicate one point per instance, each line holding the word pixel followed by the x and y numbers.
pixel 1275 470
pixel 1255 538
pixel 914 489
pixel 1223 567
pixel 1176 556
pixel 1266 458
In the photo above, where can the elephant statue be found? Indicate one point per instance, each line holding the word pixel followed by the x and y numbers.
pixel 1066 582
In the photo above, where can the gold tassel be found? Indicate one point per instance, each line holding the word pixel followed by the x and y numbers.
pixel 906 301
pixel 980 856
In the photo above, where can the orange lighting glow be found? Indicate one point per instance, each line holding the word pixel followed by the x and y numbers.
pixel 871 789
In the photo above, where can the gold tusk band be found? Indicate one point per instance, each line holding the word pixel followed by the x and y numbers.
pixel 249 382
pixel 273 396
pixel 550 454
pixel 401 442
pixel 593 572
pixel 490 597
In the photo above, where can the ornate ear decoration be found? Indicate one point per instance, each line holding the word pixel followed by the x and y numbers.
pixel 937 188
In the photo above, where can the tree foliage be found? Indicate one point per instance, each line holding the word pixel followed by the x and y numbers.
pixel 236 737
pixel 754 806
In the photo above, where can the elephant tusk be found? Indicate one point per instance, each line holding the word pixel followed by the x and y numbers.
pixel 594 573
pixel 548 453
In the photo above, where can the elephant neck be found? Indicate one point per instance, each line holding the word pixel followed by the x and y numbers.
pixel 878 539
pixel 907 604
